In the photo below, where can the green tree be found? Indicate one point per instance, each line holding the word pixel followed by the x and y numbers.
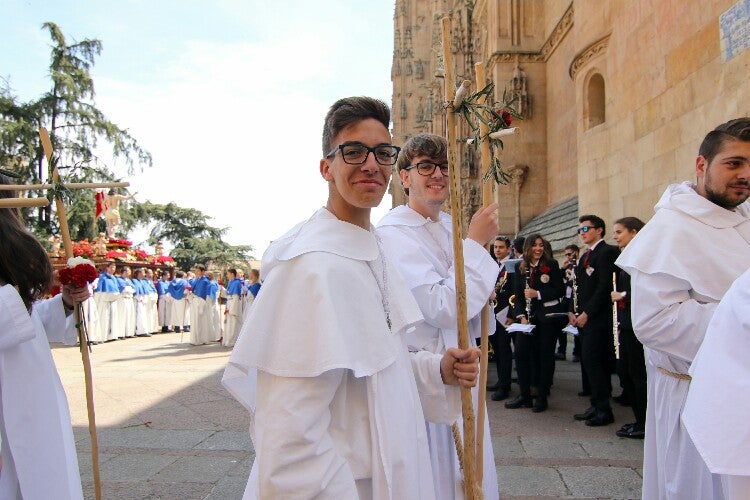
pixel 75 126
pixel 194 240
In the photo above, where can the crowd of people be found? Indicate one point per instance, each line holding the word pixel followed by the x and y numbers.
pixel 354 379
pixel 138 303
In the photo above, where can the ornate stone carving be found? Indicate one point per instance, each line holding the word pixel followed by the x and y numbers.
pixel 590 52
pixel 562 28
pixel 518 88
pixel 403 109
pixel 419 69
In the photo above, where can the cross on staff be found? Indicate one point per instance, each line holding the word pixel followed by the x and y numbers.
pixel 68 244
pixel 471 452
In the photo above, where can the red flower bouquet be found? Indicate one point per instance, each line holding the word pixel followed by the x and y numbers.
pixel 80 272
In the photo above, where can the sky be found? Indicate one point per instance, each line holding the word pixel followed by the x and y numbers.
pixel 228 96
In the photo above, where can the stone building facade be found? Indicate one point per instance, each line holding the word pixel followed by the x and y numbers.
pixel 617 96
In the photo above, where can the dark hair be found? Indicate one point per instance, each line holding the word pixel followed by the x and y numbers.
pixel 139 270
pixel 348 111
pixel 179 274
pixel 518 244
pixel 573 247
pixel 528 244
pixel 255 273
pixel 201 267
pixel 631 223
pixel 595 221
pixel 232 271
pixel 504 239
pixel 24 262
pixel 733 130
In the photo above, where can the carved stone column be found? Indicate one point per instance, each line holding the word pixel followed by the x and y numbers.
pixel 518 175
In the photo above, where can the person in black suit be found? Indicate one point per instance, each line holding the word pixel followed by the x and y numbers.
pixel 540 281
pixel 631 367
pixel 501 340
pixel 594 278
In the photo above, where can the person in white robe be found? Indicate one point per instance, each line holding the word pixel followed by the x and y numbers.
pixel 140 300
pixel 164 304
pixel 178 290
pixel 214 308
pixel 417 237
pixel 721 372
pixel 106 295
pixel 323 368
pixel 234 308
pixel 201 308
pixel 152 298
pixel 37 448
pixel 681 264
pixel 125 305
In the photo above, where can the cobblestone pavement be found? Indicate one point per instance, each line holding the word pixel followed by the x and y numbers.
pixel 168 430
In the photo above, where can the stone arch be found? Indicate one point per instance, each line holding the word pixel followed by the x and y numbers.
pixel 594 107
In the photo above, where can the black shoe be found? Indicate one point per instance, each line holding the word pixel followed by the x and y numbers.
pixel 560 356
pixel 187 329
pixel 583 394
pixel 603 417
pixel 494 386
pixel 164 329
pixel 500 394
pixel 590 412
pixel 627 427
pixel 540 404
pixel 575 358
pixel 623 399
pixel 177 329
pixel 634 432
pixel 520 401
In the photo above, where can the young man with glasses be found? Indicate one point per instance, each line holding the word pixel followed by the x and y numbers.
pixel 418 237
pixel 676 285
pixel 569 268
pixel 594 318
pixel 322 362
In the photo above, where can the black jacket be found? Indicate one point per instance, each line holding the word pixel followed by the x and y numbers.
pixel 594 278
pixel 547 279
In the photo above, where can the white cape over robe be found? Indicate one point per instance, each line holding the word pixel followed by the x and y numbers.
pixel 721 374
pixel 336 410
pixel 39 455
pixel 681 265
pixel 422 250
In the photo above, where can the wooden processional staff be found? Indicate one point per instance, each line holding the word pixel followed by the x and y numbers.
pixel 68 244
pixel 472 491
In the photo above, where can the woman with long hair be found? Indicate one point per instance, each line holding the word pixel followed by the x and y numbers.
pixel 631 367
pixel 38 451
pixel 539 300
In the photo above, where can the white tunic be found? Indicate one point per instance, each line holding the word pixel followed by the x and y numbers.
pixel 423 252
pixel 38 450
pixel 717 409
pixel 201 313
pixel 681 264
pixel 336 410
pixel 234 320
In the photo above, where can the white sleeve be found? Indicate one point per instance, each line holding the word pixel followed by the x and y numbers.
pixel 665 317
pixel 437 300
pixel 440 403
pixel 297 458
pixel 57 326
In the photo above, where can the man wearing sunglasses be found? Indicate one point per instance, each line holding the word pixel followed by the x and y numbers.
pixel 322 362
pixel 418 237
pixel 594 318
pixel 676 285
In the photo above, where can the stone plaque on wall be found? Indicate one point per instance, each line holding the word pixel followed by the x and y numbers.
pixel 734 25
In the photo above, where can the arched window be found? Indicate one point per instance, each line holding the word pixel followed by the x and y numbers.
pixel 595 113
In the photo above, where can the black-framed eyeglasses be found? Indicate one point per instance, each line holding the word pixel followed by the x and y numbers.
pixel 427 168
pixel 584 229
pixel 356 153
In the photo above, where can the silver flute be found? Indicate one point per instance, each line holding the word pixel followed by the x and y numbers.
pixel 528 300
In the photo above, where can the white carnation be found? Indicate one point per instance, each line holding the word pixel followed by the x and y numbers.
pixel 75 261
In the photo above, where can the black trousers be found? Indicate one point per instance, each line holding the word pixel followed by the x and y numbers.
pixel 597 350
pixel 562 342
pixel 632 369
pixel 501 344
pixel 535 358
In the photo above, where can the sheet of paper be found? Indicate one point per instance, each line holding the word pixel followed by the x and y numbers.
pixel 519 327
pixel 502 315
pixel 571 329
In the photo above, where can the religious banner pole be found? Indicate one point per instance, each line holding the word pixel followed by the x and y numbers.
pixel 65 232
pixel 468 452
pixel 487 310
pixel 23 202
